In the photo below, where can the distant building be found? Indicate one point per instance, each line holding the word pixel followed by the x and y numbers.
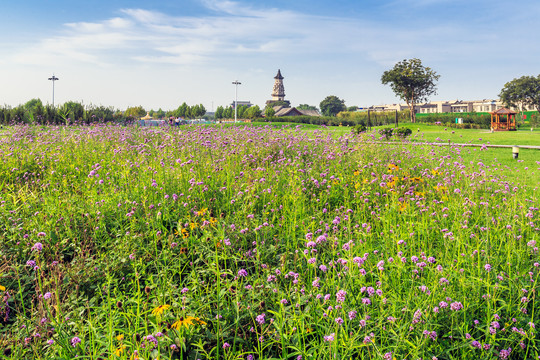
pixel 456 106
pixel 242 103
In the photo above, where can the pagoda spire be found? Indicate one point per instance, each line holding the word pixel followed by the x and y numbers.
pixel 278 92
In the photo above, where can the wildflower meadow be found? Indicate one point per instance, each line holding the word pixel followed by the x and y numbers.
pixel 246 242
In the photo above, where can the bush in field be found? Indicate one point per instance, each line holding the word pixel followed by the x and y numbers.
pixel 386 132
pixel 360 128
pixel 402 132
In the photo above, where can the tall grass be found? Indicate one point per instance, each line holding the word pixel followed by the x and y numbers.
pixel 256 242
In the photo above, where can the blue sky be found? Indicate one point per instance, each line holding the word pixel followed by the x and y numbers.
pixel 161 53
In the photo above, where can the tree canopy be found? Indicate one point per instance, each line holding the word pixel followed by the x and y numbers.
pixel 135 112
pixel 306 107
pixel 522 91
pixel 412 82
pixel 332 105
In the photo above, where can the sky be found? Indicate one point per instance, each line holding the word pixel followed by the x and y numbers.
pixel 161 53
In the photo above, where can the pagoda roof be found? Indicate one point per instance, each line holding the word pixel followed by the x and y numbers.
pixel 278 76
pixel 503 111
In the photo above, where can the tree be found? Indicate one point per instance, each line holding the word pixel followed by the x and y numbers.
pixel 160 113
pixel 352 108
pixel 181 111
pixel 522 91
pixel 135 112
pixel 74 110
pixel 332 105
pixel 219 112
pixel 411 82
pixel 269 112
pixel 253 112
pixel 306 107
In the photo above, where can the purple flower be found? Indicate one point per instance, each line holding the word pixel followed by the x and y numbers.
pixel 456 305
pixel 260 318
pixel 37 247
pixel 184 290
pixel 329 338
pixel 226 345
pixel 340 296
pixel 487 267
pixel 41 234
pixel 47 295
pixel 339 320
pixel 366 301
pixel 31 263
pixel 76 340
pixel 352 314
pixel 242 273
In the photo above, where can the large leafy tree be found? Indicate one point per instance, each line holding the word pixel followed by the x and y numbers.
pixel 522 91
pixel 412 82
pixel 135 112
pixel 332 105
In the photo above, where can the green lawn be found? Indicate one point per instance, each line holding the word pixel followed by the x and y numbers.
pixel 425 132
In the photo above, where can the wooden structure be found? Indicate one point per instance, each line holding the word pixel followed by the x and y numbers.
pixel 503 119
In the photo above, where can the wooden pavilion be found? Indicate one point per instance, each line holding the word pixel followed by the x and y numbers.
pixel 503 119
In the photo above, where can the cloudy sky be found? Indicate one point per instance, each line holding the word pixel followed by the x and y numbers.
pixel 160 53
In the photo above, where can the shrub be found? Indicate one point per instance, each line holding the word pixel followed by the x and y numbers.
pixel 386 132
pixel 402 132
pixel 360 128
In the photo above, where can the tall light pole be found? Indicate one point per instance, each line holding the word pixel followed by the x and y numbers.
pixel 236 83
pixel 53 79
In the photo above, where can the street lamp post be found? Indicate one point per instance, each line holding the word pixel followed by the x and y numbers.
pixel 236 83
pixel 53 79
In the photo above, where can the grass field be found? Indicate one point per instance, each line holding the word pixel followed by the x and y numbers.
pixel 263 242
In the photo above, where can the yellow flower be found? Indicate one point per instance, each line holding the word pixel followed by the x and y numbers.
pixel 435 172
pixel 356 173
pixel 417 179
pixel 193 225
pixel 2 288
pixel 403 207
pixel 160 309
pixel 356 186
pixel 201 212
pixel 190 320
pixel 392 167
pixel 120 350
pixel 441 188
pixel 120 337
pixel 392 183
pixel 212 221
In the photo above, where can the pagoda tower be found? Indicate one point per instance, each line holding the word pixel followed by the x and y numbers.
pixel 278 92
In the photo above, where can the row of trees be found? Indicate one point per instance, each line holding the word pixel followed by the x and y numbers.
pixel 71 112
pixel 34 112
pixel 243 112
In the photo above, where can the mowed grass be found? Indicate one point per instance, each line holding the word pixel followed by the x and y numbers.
pixel 262 242
pixel 441 133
